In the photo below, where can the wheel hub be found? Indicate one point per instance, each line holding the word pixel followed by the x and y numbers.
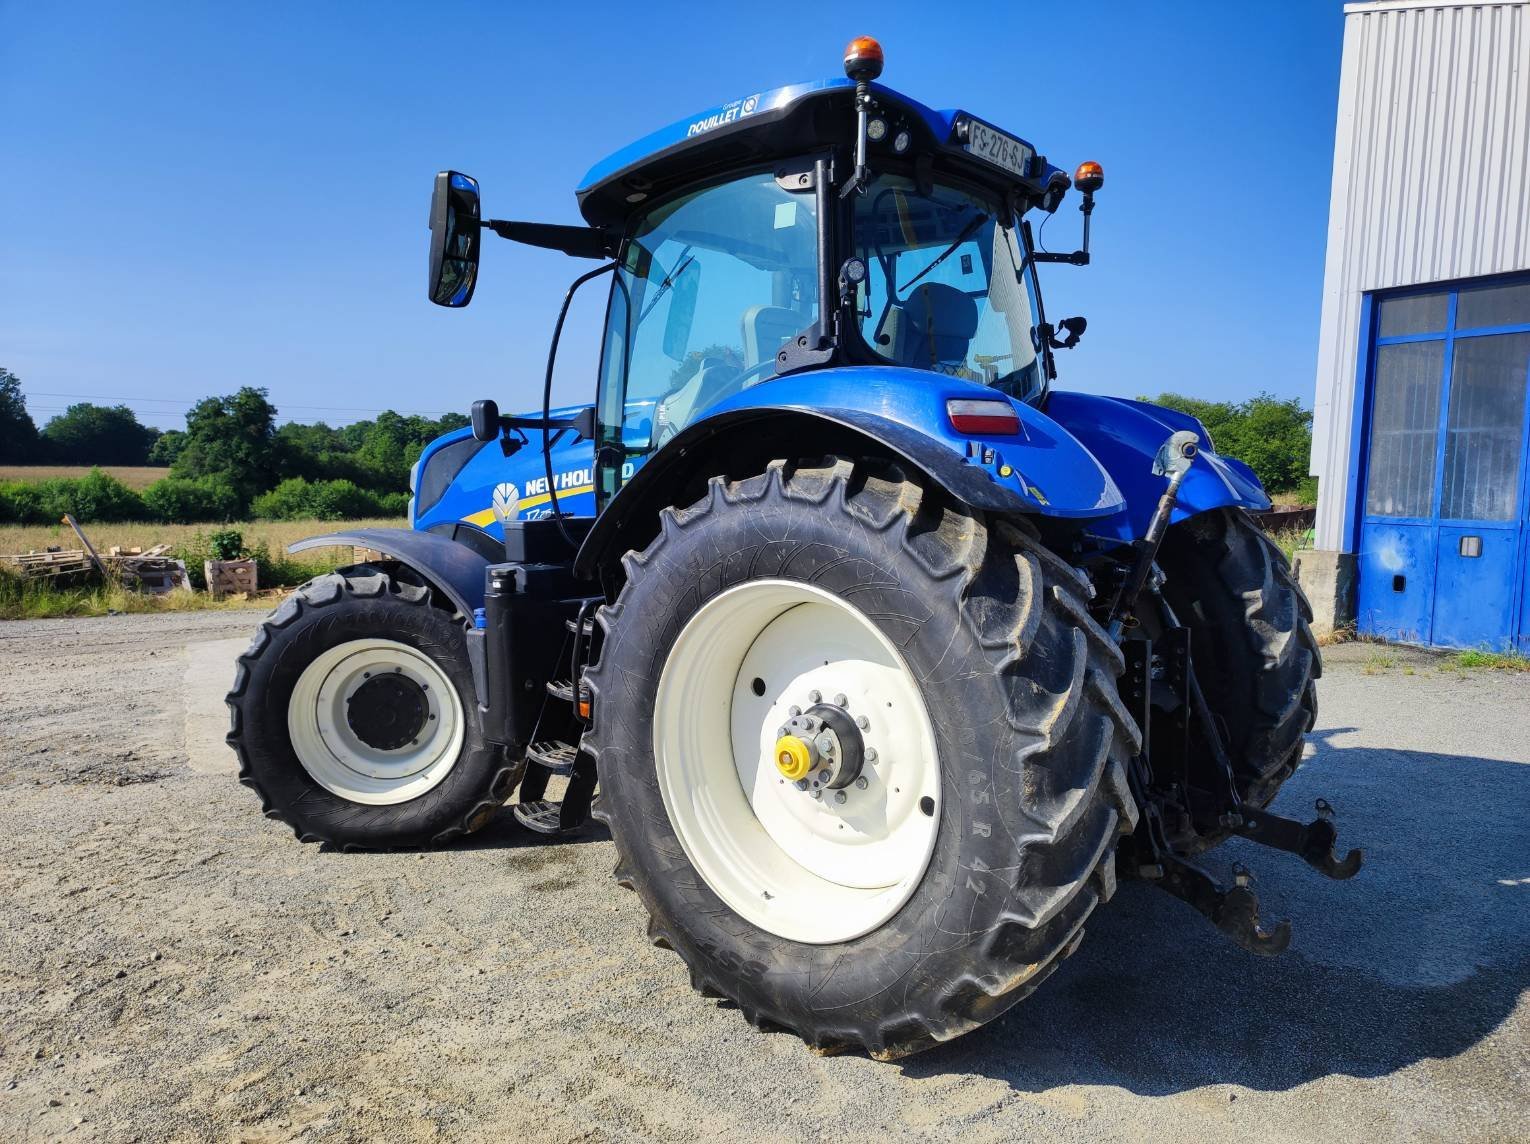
pixel 821 748
pixel 387 711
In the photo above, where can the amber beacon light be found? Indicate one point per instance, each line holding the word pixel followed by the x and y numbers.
pixel 863 59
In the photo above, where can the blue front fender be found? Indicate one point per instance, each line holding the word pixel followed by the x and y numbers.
pixel 1124 435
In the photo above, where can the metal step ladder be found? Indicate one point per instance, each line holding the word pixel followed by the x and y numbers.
pixel 565 714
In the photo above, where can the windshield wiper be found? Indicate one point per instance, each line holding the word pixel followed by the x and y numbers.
pixel 686 258
pixel 966 233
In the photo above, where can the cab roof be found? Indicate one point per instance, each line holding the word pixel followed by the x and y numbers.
pixel 783 122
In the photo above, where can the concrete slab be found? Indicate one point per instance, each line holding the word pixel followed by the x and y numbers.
pixel 209 674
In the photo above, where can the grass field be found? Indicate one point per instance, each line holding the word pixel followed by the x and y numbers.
pixel 276 534
pixel 133 476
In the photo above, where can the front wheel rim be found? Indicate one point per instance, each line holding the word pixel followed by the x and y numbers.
pixel 344 763
pixel 811 869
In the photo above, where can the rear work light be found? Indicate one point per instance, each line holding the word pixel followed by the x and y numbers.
pixel 983 417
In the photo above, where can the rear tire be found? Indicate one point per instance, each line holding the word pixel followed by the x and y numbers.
pixel 1251 640
pixel 342 640
pixel 1018 687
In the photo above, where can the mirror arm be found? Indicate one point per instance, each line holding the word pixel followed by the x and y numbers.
pixel 577 241
pixel 1078 257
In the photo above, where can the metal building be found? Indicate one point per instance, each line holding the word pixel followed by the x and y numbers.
pixel 1421 423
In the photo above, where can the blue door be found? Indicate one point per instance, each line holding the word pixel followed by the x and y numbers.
pixel 1444 546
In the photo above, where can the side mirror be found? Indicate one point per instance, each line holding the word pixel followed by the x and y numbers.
pixel 454 238
pixel 485 418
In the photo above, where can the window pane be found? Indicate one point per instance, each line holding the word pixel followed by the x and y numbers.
pixel 1420 314
pixel 1494 306
pixel 1405 425
pixel 1484 434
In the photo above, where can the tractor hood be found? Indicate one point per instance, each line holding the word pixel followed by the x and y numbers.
pixel 791 121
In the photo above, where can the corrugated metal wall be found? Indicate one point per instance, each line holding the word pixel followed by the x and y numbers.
pixel 1431 182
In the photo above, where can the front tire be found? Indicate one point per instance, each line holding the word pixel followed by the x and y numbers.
pixel 999 780
pixel 355 720
pixel 1251 639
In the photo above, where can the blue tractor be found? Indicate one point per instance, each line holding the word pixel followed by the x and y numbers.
pixel 888 658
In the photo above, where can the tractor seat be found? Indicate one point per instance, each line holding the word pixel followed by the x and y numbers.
pixel 940 322
pixel 713 381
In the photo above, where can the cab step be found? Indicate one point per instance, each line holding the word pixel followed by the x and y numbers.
pixel 561 689
pixel 555 755
pixel 584 628
pixel 545 816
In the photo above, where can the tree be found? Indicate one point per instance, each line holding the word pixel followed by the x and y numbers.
pixel 1272 436
pixel 167 447
pixel 87 434
pixel 18 432
pixel 233 437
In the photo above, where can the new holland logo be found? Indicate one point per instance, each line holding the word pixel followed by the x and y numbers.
pixel 507 499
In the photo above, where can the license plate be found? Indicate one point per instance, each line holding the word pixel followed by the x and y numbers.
pixel 998 148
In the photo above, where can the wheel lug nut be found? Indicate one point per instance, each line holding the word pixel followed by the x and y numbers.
pixel 815 697
pixel 862 783
pixel 818 794
pixel 841 701
pixel 863 723
pixel 871 754
pixel 839 796
pixel 823 776
pixel 800 784
pixel 794 712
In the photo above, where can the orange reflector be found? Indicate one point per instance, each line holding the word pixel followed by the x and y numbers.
pixel 863 59
pixel 584 708
pixel 1089 176
pixel 983 417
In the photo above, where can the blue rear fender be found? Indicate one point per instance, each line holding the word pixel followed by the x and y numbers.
pixel 1124 435
pixel 1042 470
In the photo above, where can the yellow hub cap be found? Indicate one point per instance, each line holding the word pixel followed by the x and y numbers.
pixel 793 759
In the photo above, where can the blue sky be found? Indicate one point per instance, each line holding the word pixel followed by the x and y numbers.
pixel 197 197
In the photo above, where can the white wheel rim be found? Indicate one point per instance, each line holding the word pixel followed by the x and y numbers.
pixel 333 754
pixel 805 869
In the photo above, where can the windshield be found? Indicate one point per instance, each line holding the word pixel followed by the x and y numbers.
pixel 709 287
pixel 944 289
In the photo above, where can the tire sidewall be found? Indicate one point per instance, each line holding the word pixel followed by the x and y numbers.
pixel 281 776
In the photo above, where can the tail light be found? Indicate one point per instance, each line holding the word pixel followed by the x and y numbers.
pixel 983 417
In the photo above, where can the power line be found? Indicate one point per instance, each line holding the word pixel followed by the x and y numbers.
pixel 123 400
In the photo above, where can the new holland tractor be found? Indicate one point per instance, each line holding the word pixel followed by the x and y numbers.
pixel 886 657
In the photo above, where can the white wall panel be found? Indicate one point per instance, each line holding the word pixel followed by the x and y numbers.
pixel 1431 182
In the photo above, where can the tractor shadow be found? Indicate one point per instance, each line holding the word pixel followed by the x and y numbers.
pixel 1421 955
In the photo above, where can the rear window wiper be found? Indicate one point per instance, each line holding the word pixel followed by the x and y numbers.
pixel 966 233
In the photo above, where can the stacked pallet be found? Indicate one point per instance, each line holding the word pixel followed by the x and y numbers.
pixel 49 564
pixel 145 570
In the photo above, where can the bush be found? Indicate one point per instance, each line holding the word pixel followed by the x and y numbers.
pixel 21 503
pixel 227 544
pixel 93 498
pixel 183 500
pixel 300 499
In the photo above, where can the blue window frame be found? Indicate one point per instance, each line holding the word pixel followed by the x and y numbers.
pixel 1434 314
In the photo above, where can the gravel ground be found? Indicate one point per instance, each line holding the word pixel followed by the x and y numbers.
pixel 177 967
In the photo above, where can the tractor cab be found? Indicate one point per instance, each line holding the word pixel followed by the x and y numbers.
pixel 836 223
